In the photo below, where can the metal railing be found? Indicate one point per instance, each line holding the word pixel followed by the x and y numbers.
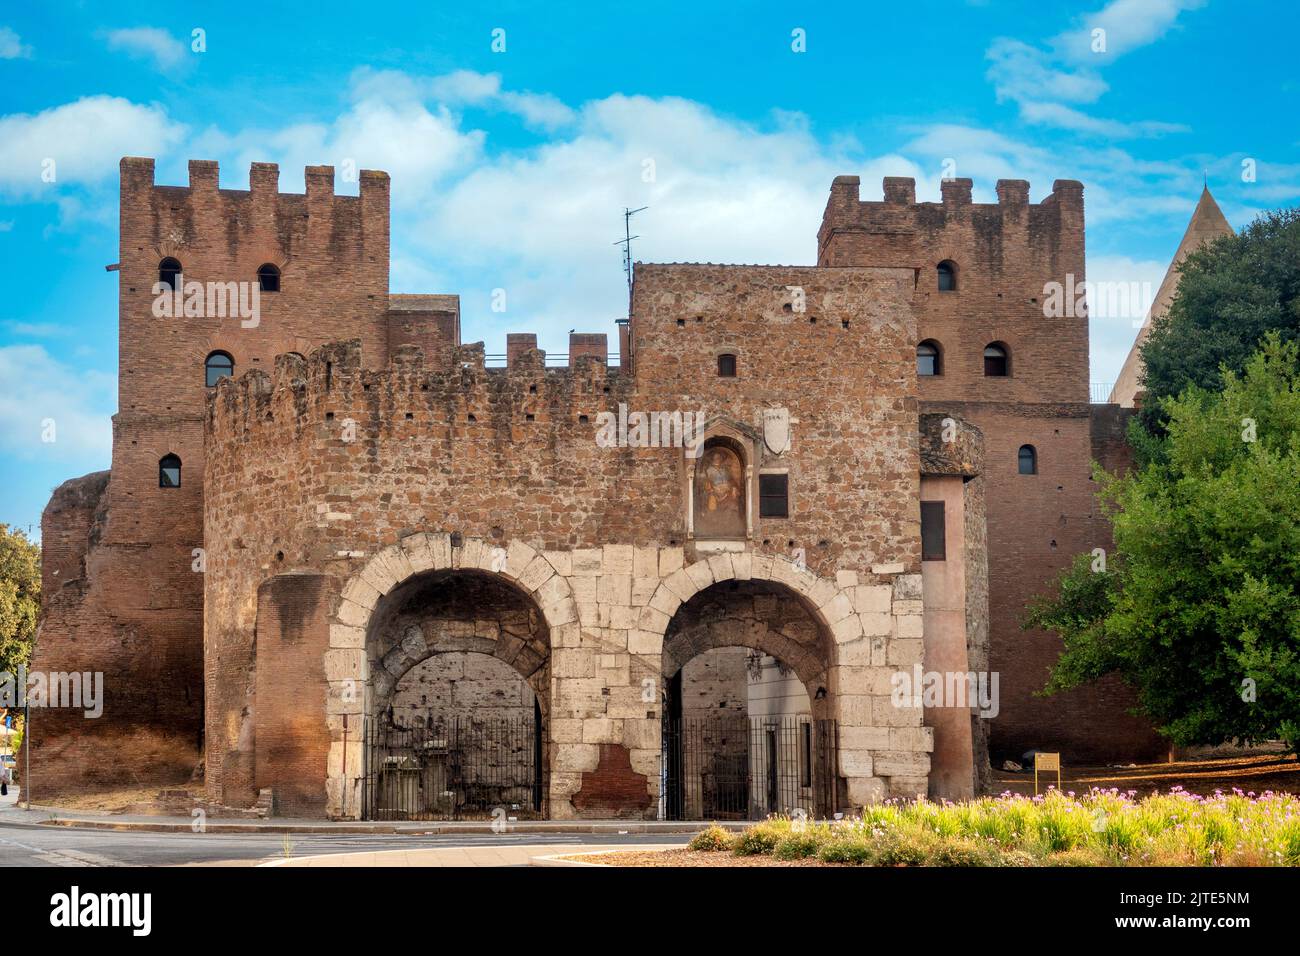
pixel 456 768
pixel 745 768
pixel 1099 392
pixel 553 360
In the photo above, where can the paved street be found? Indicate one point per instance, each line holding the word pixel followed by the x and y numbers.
pixel 22 844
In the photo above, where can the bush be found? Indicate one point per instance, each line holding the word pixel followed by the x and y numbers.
pixel 762 838
pixel 799 846
pixel 711 839
pixel 856 852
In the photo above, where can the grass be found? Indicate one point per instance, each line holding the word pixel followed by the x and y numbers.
pixel 1099 828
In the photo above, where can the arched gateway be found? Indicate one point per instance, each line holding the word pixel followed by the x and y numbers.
pixel 599 641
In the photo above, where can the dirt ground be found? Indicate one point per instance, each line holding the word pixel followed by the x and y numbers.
pixel 1256 772
pixel 686 857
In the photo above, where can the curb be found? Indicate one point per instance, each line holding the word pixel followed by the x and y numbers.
pixel 429 829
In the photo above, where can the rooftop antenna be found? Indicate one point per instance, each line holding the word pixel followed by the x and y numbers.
pixel 626 243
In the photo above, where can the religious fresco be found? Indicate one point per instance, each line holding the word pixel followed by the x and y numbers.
pixel 719 493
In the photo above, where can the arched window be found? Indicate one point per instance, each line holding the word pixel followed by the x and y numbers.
pixel 1028 460
pixel 217 366
pixel 947 275
pixel 929 359
pixel 997 360
pixel 268 277
pixel 168 270
pixel 726 365
pixel 721 499
pixel 169 472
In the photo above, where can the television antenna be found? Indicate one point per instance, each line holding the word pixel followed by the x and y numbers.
pixel 626 243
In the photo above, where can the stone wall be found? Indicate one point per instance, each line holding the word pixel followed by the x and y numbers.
pixel 376 477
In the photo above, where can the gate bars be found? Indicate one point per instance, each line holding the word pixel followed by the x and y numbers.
pixel 745 768
pixel 455 768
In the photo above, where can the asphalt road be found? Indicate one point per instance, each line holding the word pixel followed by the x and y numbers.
pixel 63 846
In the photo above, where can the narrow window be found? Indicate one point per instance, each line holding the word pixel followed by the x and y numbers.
pixel 726 365
pixel 169 472
pixel 934 545
pixel 947 271
pixel 1028 460
pixel 928 359
pixel 217 366
pixel 997 362
pixel 268 277
pixel 168 270
pixel 774 496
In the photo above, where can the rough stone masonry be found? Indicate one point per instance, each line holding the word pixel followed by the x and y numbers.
pixel 282 554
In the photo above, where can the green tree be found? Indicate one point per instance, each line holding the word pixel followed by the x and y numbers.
pixel 20 597
pixel 1199 605
pixel 1231 293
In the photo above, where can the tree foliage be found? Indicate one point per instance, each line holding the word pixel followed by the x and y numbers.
pixel 1231 293
pixel 20 597
pixel 1199 606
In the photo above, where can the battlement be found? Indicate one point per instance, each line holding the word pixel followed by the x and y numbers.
pixel 895 229
pixel 453 392
pixel 263 179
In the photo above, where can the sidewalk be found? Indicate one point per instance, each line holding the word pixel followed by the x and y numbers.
pixel 529 855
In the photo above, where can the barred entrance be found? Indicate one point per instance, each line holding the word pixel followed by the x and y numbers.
pixel 745 768
pixel 455 767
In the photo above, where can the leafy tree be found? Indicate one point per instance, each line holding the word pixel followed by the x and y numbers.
pixel 20 597
pixel 1231 293
pixel 1199 606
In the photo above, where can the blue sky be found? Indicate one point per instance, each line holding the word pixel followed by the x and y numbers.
pixel 510 168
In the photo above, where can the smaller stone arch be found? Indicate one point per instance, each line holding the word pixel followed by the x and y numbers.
pixel 347 666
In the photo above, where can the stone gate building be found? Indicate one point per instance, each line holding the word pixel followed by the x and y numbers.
pixel 335 538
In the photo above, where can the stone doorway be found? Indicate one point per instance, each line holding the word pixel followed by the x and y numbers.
pixel 457 701
pixel 747 731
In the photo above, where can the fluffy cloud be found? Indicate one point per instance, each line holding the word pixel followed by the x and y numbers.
pixel 165 51
pixel 40 390
pixel 79 143
pixel 1048 82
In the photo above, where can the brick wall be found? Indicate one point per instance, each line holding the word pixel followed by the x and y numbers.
pixel 1005 254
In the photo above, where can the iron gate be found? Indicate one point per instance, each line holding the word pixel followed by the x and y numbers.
pixel 745 768
pixel 455 768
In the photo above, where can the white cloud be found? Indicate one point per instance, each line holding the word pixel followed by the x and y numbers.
pixel 1129 25
pixel 150 43
pixel 468 88
pixel 11 45
pixel 81 142
pixel 39 389
pixel 1066 70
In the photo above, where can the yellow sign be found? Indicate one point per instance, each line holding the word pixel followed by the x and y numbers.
pixel 1047 762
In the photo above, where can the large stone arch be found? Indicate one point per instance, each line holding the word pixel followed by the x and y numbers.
pixel 347 665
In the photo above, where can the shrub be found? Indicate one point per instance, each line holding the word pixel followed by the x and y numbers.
pixel 762 838
pixel 799 846
pixel 711 839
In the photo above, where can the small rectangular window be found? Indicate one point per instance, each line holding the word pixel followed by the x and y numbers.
pixel 727 365
pixel 933 535
pixel 774 496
